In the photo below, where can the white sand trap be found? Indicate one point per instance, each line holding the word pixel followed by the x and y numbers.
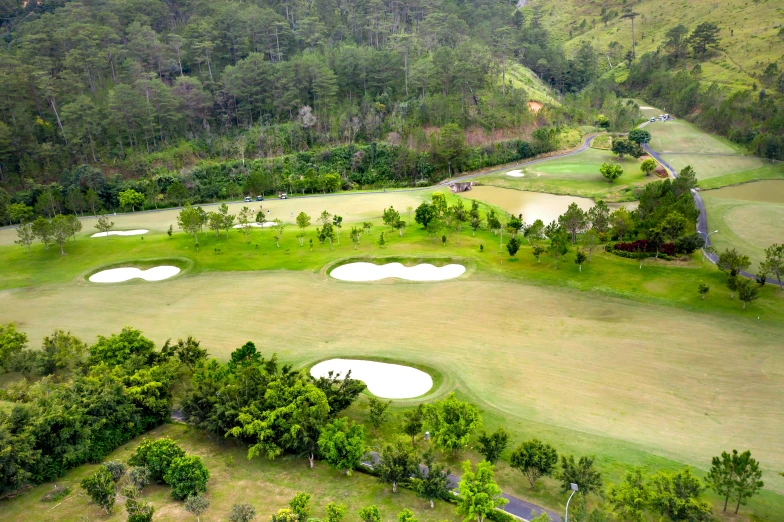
pixel 391 381
pixel 651 108
pixel 515 173
pixel 373 272
pixel 260 225
pixel 118 275
pixel 121 233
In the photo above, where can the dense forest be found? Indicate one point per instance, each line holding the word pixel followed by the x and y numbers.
pixel 197 100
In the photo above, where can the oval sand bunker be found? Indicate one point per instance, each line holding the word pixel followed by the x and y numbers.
pixel 515 173
pixel 373 272
pixel 119 275
pixel 121 233
pixel 391 381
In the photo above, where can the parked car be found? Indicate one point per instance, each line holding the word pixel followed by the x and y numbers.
pixel 247 199
pixel 653 120
pixel 259 198
pixel 284 196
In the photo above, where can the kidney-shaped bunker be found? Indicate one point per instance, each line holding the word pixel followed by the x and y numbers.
pixel 391 381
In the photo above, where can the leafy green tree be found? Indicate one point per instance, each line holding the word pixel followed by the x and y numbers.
pixel 640 136
pixel 61 228
pixel 390 217
pixel 611 171
pixel 43 230
pixel 704 35
pixel 397 462
pixel 438 202
pixel 579 259
pixel 366 225
pixel 242 513
pixel 534 459
pixel 335 512
pixel 425 213
pixel 451 422
pixel 630 498
pixel 356 236
pixel 370 514
pixel 101 489
pixel 406 516
pixel 558 242
pixel 190 221
pixel 196 505
pixel 598 216
pixel 138 510
pixel 431 482
pixel 774 261
pixel 378 412
pixel 676 40
pixel 119 348
pixel 215 222
pixel 648 166
pixel 685 182
pixel 582 473
pixel 104 225
pixel 479 494
pixel 20 213
pixel 279 226
pixel 342 444
pixel 157 456
pixel 747 481
pixel 187 476
pixel 26 236
pixel 340 393
pixel 574 220
pixel 303 222
pixel 537 251
pixel 382 240
pixel 131 198
pixel 300 506
pixel 337 222
pixel 116 468
pixel 621 221
pixel 493 445
pixel 677 496
pixel 139 477
pixel 177 193
pixel 413 420
pixel 451 146
pixel 748 291
pixel 512 246
pixel 733 262
pixel 723 474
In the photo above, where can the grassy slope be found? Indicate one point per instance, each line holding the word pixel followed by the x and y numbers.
pixel 576 175
pixel 753 44
pixel 524 78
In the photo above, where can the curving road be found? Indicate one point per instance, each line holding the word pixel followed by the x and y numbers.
pixel 702 221
pixel 516 507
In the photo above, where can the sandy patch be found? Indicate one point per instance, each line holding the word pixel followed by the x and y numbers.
pixel 259 225
pixel 121 233
pixel 391 381
pixel 118 275
pixel 650 108
pixel 515 173
pixel 373 272
pixel 534 106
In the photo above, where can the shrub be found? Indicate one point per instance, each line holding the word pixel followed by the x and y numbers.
pixel 139 477
pixel 157 456
pixel 100 488
pixel 688 244
pixel 56 494
pixel 187 476
pixel 116 468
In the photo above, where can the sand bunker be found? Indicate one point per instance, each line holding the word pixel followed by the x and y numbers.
pixel 515 173
pixel 647 108
pixel 373 272
pixel 391 381
pixel 121 233
pixel 118 275
pixel 260 225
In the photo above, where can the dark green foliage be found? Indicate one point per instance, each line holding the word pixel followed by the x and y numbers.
pixel 242 513
pixel 425 213
pixel 512 246
pixel 493 445
pixel 342 444
pixel 341 393
pixel 124 346
pixel 300 506
pixel 116 468
pixel 187 477
pixel 370 514
pixel 157 456
pixel 397 462
pixel 677 496
pixel 378 412
pixel 534 459
pixel 639 136
pixel 582 473
pixel 431 482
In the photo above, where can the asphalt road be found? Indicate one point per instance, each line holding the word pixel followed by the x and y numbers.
pixel 516 506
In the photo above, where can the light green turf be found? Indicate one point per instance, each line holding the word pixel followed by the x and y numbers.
pixel 681 136
pixel 576 175
pixel 769 171
pixel 524 78
pixel 748 226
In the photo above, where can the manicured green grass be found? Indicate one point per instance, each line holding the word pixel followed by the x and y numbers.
pixel 267 485
pixel 576 175
pixel 748 226
pixel 708 167
pixel 681 136
pixel 769 171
